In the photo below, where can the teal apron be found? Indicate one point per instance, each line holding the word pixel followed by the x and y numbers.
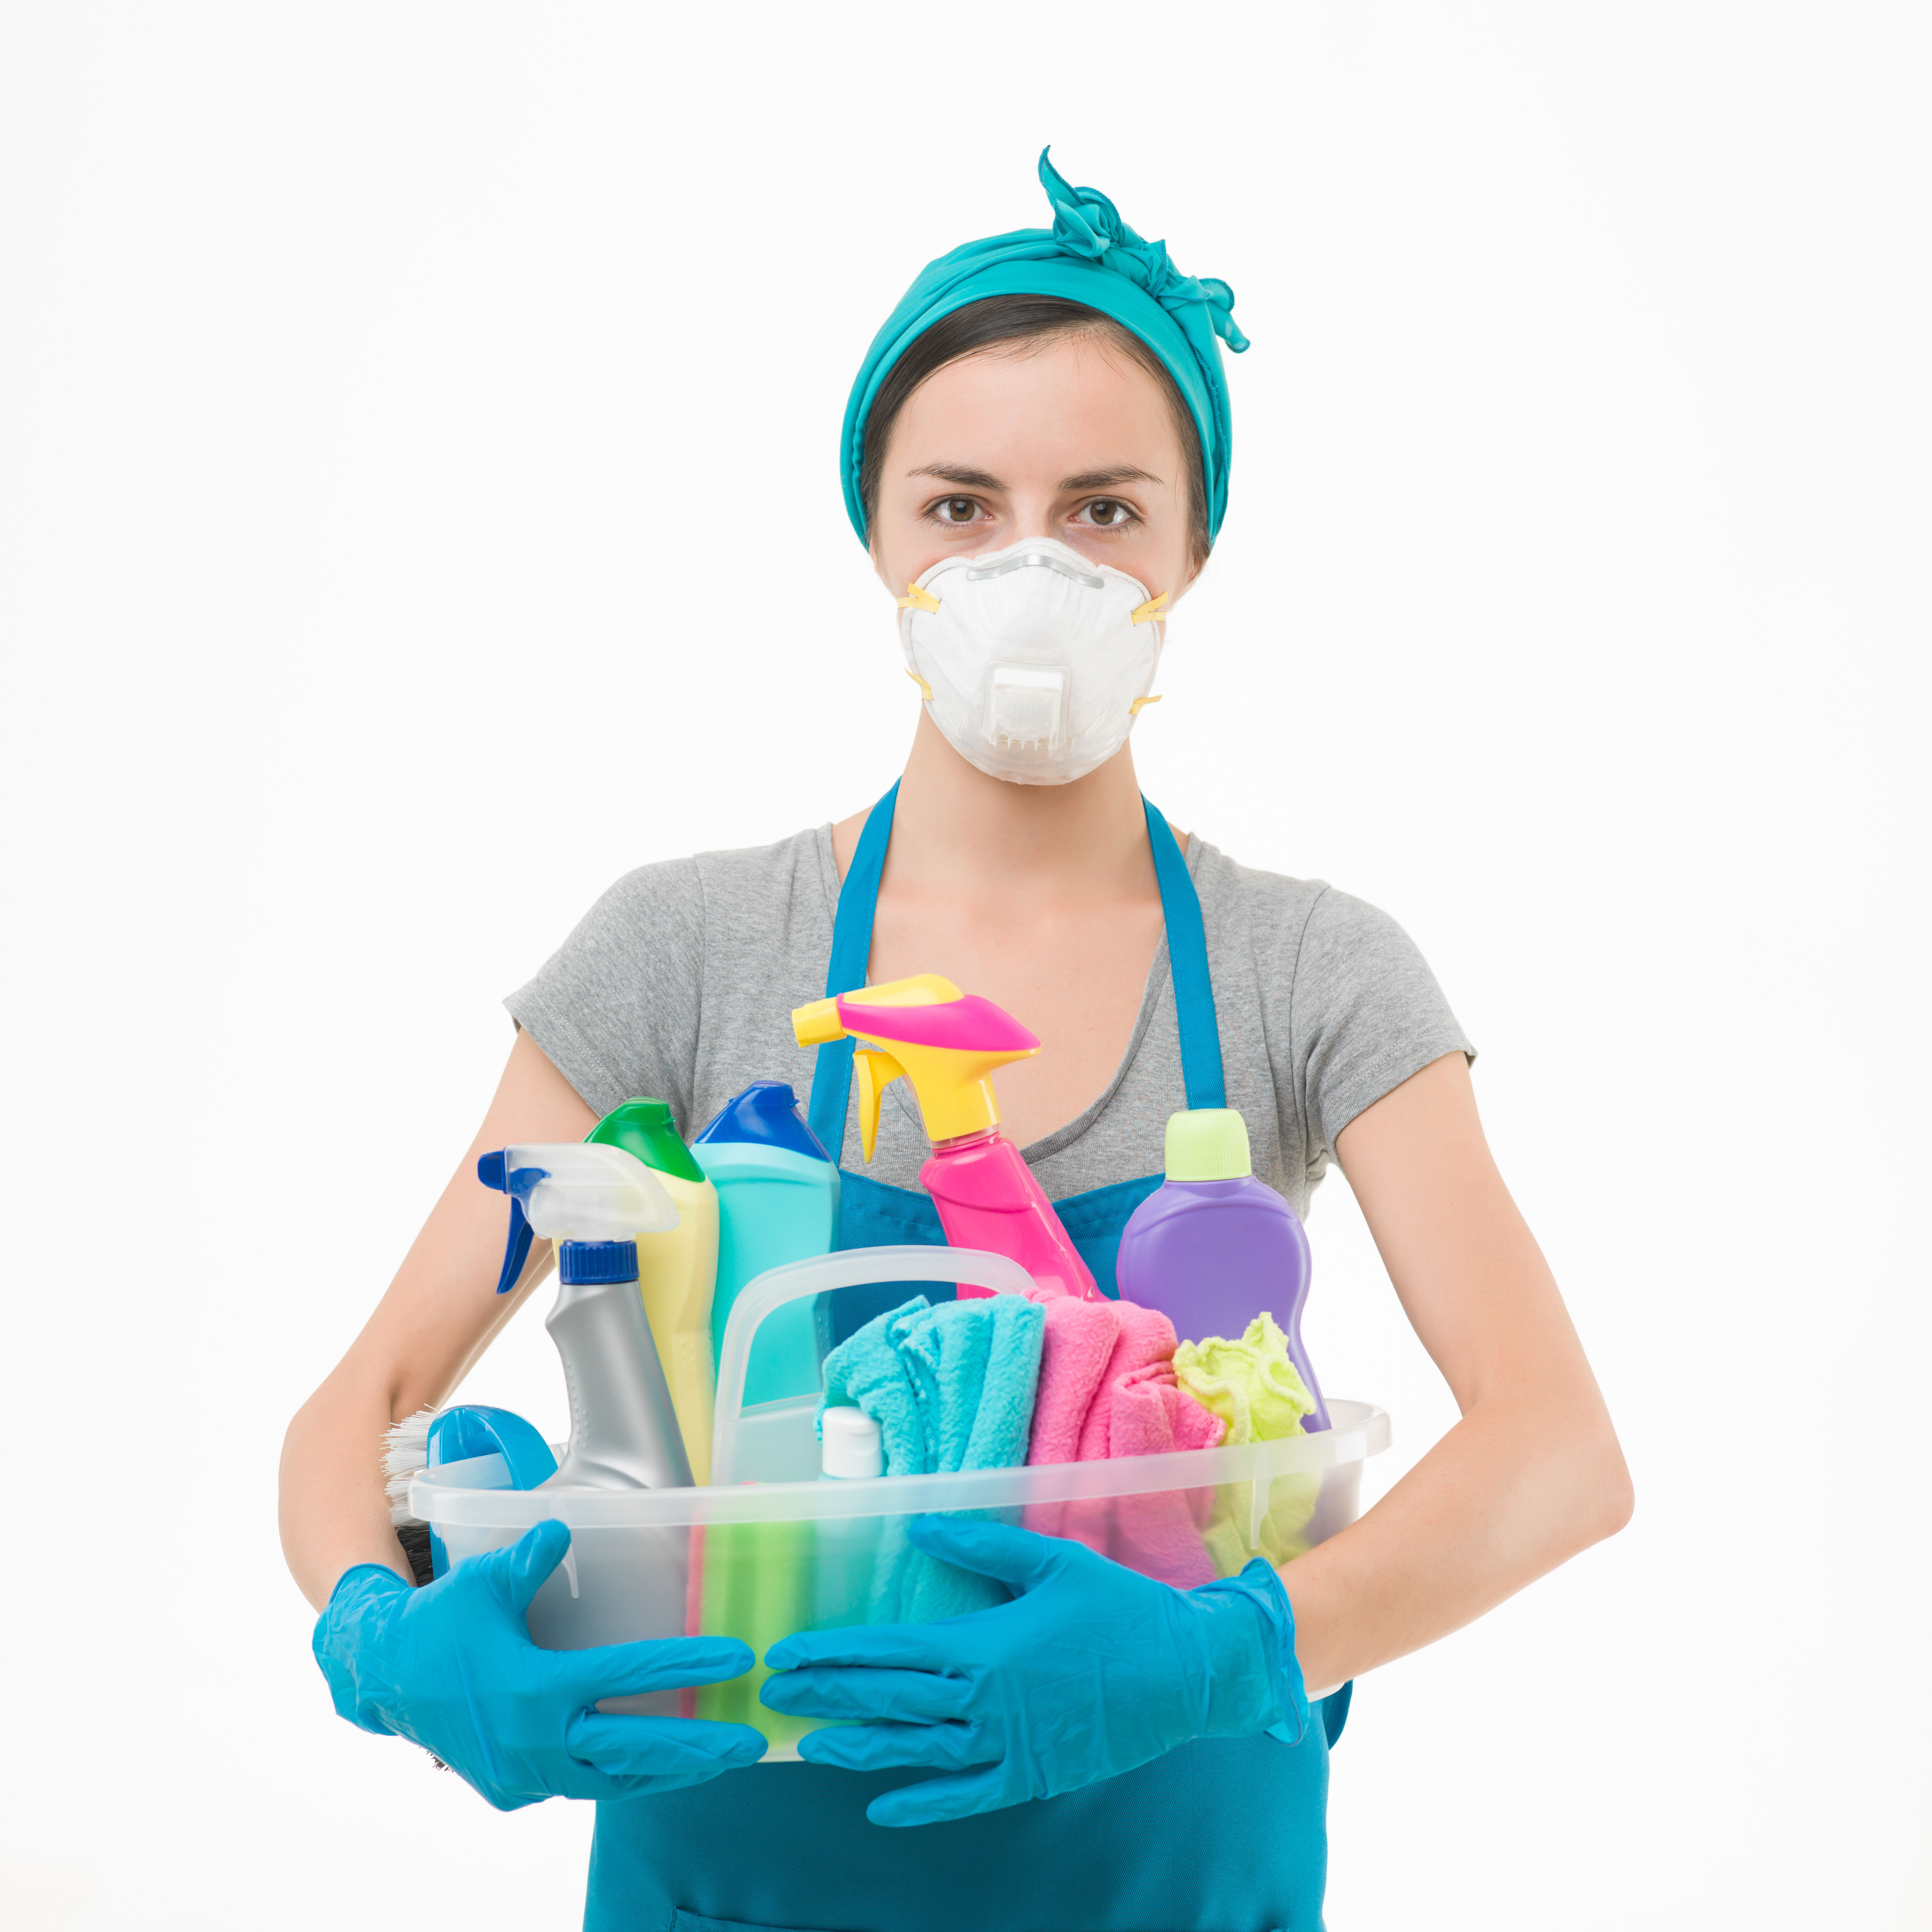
pixel 1221 1835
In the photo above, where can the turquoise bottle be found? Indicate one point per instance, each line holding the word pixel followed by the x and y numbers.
pixel 778 1201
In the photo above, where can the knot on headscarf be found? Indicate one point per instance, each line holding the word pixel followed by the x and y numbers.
pixel 1091 258
pixel 1086 222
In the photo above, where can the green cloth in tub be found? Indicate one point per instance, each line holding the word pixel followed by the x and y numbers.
pixel 1251 1385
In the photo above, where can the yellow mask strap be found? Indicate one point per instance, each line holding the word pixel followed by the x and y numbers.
pixel 1154 607
pixel 1134 709
pixel 925 689
pixel 917 599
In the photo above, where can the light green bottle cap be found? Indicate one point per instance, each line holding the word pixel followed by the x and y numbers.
pixel 1208 1143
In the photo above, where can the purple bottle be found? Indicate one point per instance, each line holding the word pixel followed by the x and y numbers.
pixel 1212 1247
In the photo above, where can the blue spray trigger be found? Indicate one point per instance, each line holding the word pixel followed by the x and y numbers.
pixel 518 1251
pixel 493 1171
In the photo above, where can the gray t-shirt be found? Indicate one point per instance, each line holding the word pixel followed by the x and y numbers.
pixel 680 981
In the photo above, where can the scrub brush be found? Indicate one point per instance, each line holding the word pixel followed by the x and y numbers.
pixel 406 1450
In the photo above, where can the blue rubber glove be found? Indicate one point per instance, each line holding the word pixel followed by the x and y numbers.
pixel 1092 1669
pixel 452 1667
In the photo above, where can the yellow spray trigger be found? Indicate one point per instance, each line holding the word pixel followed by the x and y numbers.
pixel 1154 607
pixel 917 599
pixel 876 1072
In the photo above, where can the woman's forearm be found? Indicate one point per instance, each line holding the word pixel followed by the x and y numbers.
pixel 1532 1472
pixel 439 1315
pixel 334 1506
pixel 1517 1487
pixel 334 1511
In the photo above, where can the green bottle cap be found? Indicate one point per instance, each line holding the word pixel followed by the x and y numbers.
pixel 645 1128
pixel 1208 1143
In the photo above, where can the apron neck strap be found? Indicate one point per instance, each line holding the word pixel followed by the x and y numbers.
pixel 1201 1072
pixel 1201 1069
pixel 851 955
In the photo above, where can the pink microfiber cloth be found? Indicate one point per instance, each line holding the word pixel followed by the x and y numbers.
pixel 1132 1414
pixel 1096 1398
pixel 1079 1340
pixel 1107 1388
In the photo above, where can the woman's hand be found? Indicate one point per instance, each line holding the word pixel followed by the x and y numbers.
pixel 1091 1670
pixel 452 1667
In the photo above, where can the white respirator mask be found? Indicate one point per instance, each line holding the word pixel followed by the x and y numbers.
pixel 1034 662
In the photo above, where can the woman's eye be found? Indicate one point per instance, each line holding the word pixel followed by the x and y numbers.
pixel 1106 514
pixel 955 509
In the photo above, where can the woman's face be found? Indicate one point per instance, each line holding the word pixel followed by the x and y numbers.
pixel 1071 440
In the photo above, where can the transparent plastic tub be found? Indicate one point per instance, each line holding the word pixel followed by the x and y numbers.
pixel 769 1549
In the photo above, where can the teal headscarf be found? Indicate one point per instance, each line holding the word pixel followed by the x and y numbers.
pixel 1089 255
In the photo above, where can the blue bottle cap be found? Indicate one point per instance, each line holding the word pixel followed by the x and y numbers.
pixel 587 1262
pixel 765 1113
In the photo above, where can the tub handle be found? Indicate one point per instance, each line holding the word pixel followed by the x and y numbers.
pixel 851 1267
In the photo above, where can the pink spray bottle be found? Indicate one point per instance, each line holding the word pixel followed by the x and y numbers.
pixel 947 1043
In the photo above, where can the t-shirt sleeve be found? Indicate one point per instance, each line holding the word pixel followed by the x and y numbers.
pixel 616 1007
pixel 1367 1013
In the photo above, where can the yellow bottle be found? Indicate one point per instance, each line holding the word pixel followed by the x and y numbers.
pixel 677 1270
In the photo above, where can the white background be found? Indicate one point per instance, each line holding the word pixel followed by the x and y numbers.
pixel 417 434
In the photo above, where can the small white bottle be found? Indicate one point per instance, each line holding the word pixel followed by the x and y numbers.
pixel 846 1547
pixel 850 1448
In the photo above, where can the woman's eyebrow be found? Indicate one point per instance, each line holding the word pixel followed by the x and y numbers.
pixel 955 473
pixel 1100 479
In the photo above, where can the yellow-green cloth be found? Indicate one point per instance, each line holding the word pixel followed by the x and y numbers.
pixel 1250 1384
pixel 1254 1389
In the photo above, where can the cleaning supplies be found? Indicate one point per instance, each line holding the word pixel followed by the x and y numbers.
pixel 778 1201
pixel 845 1556
pixel 945 1044
pixel 1212 1247
pixel 1097 1366
pixel 676 1267
pixel 467 1431
pixel 592 1199
pixel 1253 1385
pixel 507 1454
pixel 777 1441
pixel 951 1387
pixel 764 1581
pixel 1255 1388
pixel 756 1581
pixel 852 1448
pixel 1107 1388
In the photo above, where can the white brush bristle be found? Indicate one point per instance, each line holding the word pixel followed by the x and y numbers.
pixel 405 1450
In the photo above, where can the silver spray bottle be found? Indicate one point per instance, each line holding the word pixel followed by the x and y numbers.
pixel 593 1200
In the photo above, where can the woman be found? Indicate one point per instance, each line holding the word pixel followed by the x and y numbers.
pixel 1109 1752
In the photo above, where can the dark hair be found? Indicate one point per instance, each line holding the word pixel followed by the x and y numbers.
pixel 996 322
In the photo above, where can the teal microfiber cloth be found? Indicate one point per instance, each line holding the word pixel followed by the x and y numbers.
pixel 866 1371
pixel 951 1388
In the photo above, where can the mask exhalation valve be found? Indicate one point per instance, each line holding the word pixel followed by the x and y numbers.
pixel 1026 705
